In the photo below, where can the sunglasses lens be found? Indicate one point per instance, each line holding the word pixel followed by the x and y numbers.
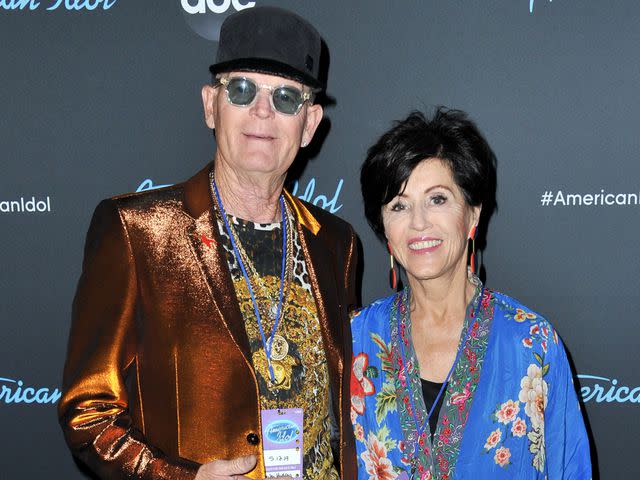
pixel 287 100
pixel 241 91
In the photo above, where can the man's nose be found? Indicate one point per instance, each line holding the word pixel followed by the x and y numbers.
pixel 262 104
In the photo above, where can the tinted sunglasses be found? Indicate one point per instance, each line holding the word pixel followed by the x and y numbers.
pixel 242 92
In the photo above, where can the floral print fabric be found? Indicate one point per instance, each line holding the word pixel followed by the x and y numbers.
pixel 510 410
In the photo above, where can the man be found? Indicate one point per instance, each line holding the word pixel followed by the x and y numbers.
pixel 205 307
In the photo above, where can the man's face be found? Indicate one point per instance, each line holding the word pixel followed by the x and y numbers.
pixel 257 139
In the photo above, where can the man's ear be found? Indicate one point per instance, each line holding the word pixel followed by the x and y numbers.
pixel 314 116
pixel 209 99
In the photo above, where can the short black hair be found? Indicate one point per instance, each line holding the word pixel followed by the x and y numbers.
pixel 450 136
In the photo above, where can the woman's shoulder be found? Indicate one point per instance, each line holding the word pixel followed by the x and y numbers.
pixel 366 317
pixel 526 324
pixel 515 310
pixel 377 306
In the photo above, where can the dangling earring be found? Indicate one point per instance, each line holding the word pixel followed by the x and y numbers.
pixel 472 260
pixel 393 276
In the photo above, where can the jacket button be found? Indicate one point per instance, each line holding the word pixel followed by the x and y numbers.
pixel 253 439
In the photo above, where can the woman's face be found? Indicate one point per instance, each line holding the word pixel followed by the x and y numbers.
pixel 429 222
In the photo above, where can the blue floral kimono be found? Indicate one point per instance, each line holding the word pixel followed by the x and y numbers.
pixel 510 410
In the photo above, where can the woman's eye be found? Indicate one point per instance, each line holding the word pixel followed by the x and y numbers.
pixel 438 199
pixel 397 207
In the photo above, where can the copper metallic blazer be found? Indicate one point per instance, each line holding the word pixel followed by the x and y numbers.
pixel 158 377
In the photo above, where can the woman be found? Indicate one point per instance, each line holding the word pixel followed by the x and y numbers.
pixel 451 379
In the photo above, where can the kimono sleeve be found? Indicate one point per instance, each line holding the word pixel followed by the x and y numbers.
pixel 567 444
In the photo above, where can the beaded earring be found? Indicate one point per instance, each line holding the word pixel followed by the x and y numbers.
pixel 472 260
pixel 393 276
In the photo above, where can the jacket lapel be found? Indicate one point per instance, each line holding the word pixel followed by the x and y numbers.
pixel 318 255
pixel 208 250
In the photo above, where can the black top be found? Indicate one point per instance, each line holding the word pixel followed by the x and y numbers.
pixel 430 391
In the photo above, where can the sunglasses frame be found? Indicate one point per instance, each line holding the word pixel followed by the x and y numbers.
pixel 306 96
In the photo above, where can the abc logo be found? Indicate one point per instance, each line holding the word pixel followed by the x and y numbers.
pixel 201 6
pixel 205 17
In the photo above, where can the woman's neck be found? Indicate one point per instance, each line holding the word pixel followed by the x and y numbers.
pixel 441 301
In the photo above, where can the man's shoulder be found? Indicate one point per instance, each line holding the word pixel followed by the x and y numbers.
pixel 138 210
pixel 169 197
pixel 328 221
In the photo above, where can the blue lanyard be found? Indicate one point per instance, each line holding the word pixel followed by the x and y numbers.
pixel 421 429
pixel 265 344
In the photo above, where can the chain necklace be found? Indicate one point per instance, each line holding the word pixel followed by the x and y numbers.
pixel 270 309
pixel 276 347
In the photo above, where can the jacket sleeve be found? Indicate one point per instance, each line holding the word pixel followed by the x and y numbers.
pixel 567 444
pixel 93 410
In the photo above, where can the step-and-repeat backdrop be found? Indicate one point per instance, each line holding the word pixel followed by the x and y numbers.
pixel 100 97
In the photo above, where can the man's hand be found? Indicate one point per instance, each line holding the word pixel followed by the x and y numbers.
pixel 228 469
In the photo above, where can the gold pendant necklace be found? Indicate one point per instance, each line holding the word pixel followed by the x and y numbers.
pixel 279 347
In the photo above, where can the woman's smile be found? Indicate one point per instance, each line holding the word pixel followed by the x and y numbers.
pixel 424 244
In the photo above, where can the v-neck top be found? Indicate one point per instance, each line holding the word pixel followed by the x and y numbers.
pixel 430 391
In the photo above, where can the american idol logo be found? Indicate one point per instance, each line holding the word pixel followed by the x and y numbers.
pixel 26 205
pixel 148 185
pixel 281 431
pixel 308 193
pixel 70 5
pixel 15 391
pixel 322 201
pixel 531 2
pixel 607 390
pixel 205 17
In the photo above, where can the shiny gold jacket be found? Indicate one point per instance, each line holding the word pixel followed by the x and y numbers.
pixel 158 377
